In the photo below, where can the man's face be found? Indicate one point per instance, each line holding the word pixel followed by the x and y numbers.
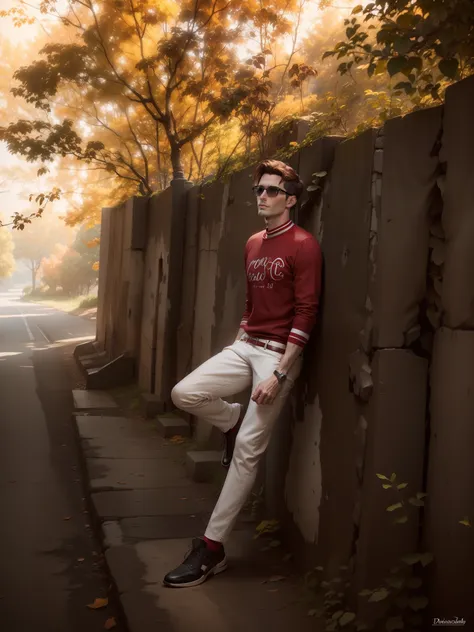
pixel 269 207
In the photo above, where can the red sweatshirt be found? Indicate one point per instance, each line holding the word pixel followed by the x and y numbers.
pixel 283 284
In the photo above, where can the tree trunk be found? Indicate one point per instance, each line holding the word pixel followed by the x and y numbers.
pixel 176 163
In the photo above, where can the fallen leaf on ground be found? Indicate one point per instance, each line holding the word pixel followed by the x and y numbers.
pixel 100 602
pixel 274 578
pixel 110 623
pixel 177 439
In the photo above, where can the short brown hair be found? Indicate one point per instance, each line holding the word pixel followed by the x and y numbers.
pixel 292 182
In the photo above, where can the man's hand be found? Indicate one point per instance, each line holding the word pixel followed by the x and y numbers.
pixel 266 391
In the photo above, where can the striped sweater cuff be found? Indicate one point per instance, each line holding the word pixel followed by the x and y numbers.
pixel 298 337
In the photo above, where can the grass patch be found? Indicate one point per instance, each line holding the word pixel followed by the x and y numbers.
pixel 89 301
pixel 67 304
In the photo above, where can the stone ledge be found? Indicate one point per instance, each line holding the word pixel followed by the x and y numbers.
pixel 172 426
pixel 92 400
pixel 203 466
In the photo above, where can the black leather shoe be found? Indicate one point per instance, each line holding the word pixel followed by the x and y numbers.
pixel 199 564
pixel 229 441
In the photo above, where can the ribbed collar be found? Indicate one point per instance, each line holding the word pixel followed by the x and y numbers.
pixel 279 230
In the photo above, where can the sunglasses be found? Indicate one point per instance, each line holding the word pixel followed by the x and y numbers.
pixel 271 191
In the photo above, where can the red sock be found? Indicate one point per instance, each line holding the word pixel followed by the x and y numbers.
pixel 212 545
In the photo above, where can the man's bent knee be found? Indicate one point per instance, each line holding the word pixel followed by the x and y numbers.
pixel 183 398
pixel 178 396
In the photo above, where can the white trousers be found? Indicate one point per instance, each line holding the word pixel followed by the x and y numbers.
pixel 200 393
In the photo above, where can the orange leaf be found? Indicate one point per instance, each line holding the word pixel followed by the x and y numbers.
pixel 177 439
pixel 100 602
pixel 110 623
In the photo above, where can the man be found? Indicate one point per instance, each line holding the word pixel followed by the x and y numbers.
pixel 283 264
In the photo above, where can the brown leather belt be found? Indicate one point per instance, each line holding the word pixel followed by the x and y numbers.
pixel 266 345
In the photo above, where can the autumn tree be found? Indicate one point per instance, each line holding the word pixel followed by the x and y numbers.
pixel 38 240
pixel 7 261
pixel 428 43
pixel 171 70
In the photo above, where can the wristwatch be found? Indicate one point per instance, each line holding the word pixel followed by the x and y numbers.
pixel 281 377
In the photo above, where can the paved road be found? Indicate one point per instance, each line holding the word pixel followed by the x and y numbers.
pixel 50 563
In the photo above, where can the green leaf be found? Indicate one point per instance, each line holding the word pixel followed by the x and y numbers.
pixel 395 506
pixel 395 582
pixel 421 495
pixel 387 486
pixel 379 595
pixel 393 478
pixel 314 613
pixel 320 174
pixel 449 67
pixel 405 20
pixel 418 603
pixel 426 558
pixel 358 9
pixel 466 522
pixel 346 618
pixel 380 67
pixel 382 477
pixel 402 45
pixel 411 559
pixel 402 485
pixel 394 623
pixel 401 520
pixel 396 65
pixel 416 502
pixel 337 615
pixel 366 592
pixel 328 53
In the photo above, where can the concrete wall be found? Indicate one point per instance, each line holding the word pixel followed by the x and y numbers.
pixel 121 278
pixel 393 216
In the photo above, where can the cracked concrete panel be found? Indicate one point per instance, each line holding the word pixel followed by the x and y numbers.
pixel 410 169
pixel 155 274
pixel 105 246
pixel 347 217
pixel 240 221
pixel 169 305
pixel 114 295
pixel 451 474
pixel 458 218
pixel 395 443
pixel 213 198
pixel 303 487
pixel 186 324
pixel 315 158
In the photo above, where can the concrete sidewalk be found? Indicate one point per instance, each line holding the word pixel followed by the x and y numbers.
pixel 147 510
